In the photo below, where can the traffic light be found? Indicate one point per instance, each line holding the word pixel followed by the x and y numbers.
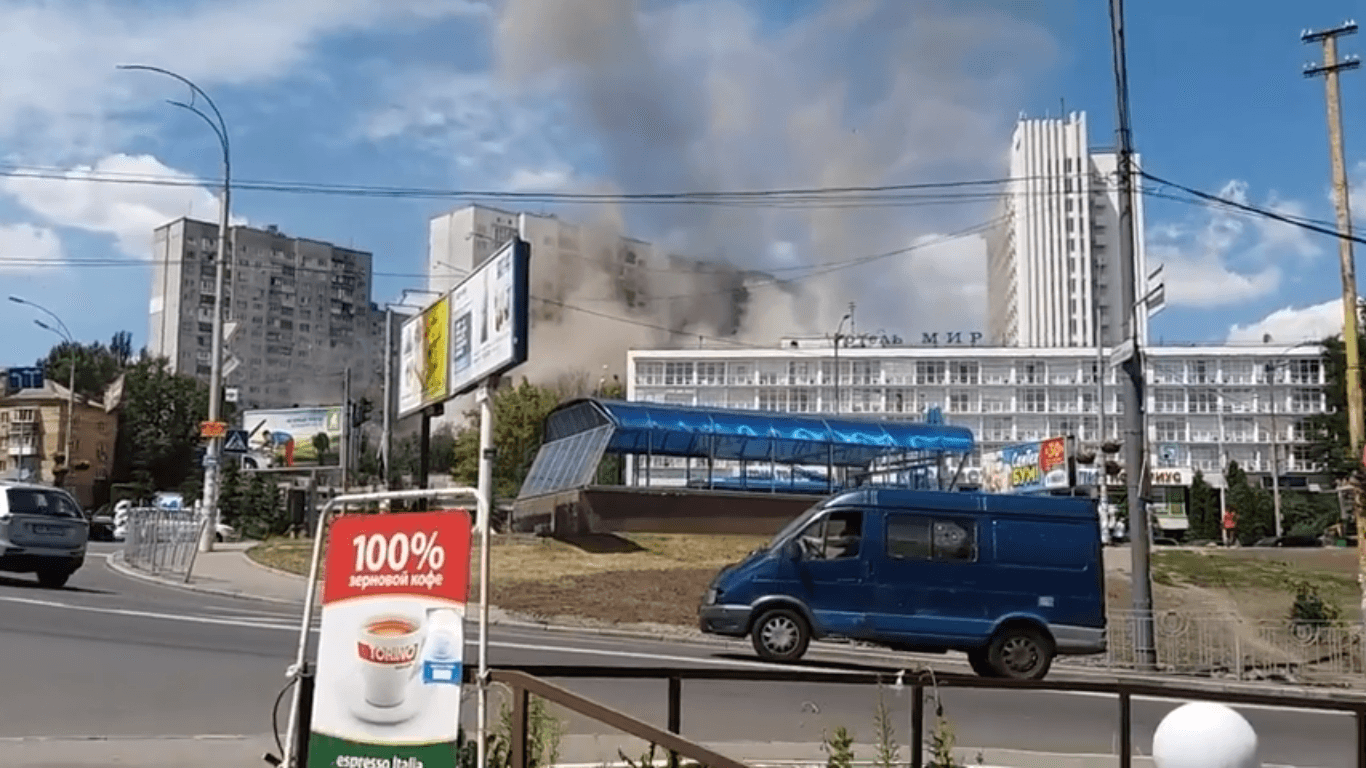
pixel 360 411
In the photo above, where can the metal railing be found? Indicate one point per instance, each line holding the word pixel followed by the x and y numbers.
pixel 1233 646
pixel 525 680
pixel 163 541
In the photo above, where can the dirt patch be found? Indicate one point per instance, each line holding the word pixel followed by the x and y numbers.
pixel 616 597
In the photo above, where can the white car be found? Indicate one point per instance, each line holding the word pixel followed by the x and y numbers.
pixel 42 531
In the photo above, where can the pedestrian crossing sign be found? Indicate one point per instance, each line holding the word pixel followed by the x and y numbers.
pixel 235 441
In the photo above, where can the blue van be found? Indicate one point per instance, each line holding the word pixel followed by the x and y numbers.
pixel 1010 580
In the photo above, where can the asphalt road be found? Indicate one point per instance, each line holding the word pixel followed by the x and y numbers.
pixel 114 657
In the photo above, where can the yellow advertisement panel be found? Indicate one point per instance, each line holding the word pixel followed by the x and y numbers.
pixel 436 348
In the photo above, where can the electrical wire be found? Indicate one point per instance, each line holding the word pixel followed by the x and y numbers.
pixel 798 195
pixel 1311 225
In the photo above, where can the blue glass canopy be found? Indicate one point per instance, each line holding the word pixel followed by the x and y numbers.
pixel 675 430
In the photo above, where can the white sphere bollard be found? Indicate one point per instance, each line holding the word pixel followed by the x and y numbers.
pixel 1205 735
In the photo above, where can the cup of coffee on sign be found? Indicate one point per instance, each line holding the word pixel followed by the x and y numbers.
pixel 390 649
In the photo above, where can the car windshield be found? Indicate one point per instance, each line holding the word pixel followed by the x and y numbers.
pixel 796 524
pixel 33 501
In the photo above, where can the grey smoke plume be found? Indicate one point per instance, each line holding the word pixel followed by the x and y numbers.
pixel 696 96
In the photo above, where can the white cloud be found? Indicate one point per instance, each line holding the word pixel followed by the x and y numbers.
pixel 1222 258
pixel 128 212
pixel 545 179
pixel 1291 325
pixel 26 248
pixel 59 81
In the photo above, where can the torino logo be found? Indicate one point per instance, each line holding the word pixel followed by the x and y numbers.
pixel 381 655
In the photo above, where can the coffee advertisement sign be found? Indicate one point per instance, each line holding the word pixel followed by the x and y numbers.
pixel 390 651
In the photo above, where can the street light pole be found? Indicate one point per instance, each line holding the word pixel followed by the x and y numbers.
pixel 65 334
pixel 212 457
pixel 838 336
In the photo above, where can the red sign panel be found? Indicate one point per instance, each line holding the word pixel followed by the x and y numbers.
pixel 390 650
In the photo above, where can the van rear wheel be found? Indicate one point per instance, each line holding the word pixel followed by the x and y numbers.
pixel 1020 652
pixel 780 634
pixel 977 659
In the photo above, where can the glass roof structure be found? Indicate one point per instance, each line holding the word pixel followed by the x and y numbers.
pixel 579 432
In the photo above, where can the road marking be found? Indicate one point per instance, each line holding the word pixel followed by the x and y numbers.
pixel 146 614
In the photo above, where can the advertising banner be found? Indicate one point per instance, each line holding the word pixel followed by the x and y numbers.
pixel 391 645
pixel 489 315
pixel 1026 467
pixel 293 437
pixel 424 348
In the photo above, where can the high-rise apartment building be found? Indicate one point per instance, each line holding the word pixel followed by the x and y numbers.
pixel 1053 274
pixel 299 313
pixel 630 292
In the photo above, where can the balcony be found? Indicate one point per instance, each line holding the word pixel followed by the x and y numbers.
pixel 23 447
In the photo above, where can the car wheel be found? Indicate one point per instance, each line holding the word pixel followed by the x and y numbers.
pixel 780 634
pixel 977 659
pixel 1020 652
pixel 53 579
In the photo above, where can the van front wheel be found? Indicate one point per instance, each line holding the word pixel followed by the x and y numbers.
pixel 1020 652
pixel 780 635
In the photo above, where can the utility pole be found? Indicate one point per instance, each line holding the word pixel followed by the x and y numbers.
pixel 1135 439
pixel 388 391
pixel 348 418
pixel 1329 69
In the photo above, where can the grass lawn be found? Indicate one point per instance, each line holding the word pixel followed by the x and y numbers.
pixel 1262 583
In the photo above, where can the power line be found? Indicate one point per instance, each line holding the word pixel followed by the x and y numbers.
pixel 894 195
pixel 1309 225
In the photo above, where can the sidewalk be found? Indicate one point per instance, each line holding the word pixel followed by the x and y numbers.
pixel 580 751
pixel 228 571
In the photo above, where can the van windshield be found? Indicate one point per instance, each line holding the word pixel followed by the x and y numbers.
pixel 796 524
pixel 30 501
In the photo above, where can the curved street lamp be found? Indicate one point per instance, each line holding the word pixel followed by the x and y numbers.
pixel 65 333
pixel 213 457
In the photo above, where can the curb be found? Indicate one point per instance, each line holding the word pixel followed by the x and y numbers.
pixel 115 563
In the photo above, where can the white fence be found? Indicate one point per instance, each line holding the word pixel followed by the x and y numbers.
pixel 1231 646
pixel 163 541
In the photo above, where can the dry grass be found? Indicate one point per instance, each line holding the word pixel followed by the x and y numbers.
pixel 655 578
pixel 289 555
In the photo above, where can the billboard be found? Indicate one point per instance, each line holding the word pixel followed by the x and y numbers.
pixel 488 315
pixel 392 641
pixel 424 346
pixel 293 437
pixel 1026 467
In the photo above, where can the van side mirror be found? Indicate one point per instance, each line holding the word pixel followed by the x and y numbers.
pixel 792 550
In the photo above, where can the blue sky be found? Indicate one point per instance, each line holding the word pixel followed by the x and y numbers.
pixel 598 95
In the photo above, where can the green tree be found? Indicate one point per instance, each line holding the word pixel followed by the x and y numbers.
pixel 518 425
pixel 1254 506
pixel 97 366
pixel 158 426
pixel 1204 509
pixel 1330 443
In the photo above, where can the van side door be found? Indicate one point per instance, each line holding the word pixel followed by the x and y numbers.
pixel 832 572
pixel 927 579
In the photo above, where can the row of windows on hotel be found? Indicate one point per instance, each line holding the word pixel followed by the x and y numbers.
pixel 991 372
pixel 907 400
